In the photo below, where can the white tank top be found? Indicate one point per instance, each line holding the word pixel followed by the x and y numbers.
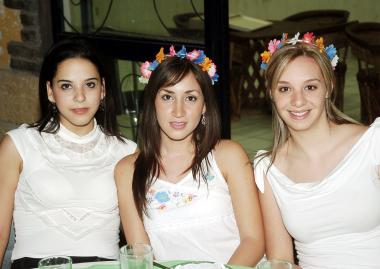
pixel 66 200
pixel 335 222
pixel 192 221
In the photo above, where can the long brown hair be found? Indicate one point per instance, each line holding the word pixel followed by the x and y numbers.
pixel 147 165
pixel 278 63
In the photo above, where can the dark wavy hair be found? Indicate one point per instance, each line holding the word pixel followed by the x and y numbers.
pixel 67 49
pixel 147 165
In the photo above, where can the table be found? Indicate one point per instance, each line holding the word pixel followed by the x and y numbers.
pixel 115 265
pixel 247 80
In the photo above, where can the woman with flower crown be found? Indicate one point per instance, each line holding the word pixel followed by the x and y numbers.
pixel 56 175
pixel 186 192
pixel 320 183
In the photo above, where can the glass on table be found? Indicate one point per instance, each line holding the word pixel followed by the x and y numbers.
pixel 136 256
pixel 275 264
pixel 55 262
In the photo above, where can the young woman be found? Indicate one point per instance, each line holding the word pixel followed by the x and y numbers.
pixel 320 184
pixel 188 193
pixel 56 175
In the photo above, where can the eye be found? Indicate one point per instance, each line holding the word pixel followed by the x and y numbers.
pixel 283 89
pixel 65 86
pixel 91 84
pixel 311 87
pixel 191 98
pixel 166 97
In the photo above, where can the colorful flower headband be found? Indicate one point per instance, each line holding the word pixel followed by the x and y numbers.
pixel 307 38
pixel 196 56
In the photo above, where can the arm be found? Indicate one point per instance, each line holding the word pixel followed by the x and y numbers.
pixel 132 224
pixel 10 167
pixel 279 244
pixel 237 170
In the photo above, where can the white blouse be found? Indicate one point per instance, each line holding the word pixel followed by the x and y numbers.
pixel 66 199
pixel 335 222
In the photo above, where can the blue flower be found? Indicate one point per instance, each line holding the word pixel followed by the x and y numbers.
pixel 162 196
pixel 182 53
pixel 201 58
pixel 264 66
pixel 330 51
pixel 209 177
pixel 153 65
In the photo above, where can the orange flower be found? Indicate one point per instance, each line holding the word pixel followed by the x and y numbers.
pixel 206 64
pixel 160 56
pixel 319 43
pixel 265 56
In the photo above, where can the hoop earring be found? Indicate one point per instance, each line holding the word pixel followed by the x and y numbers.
pixel 203 120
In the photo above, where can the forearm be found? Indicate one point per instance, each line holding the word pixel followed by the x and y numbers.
pixel 248 253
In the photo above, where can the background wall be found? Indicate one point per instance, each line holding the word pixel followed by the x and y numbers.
pixel 363 10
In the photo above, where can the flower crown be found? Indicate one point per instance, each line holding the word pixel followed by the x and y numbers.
pixel 196 56
pixel 307 38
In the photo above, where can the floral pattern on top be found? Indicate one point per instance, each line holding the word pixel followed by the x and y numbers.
pixel 161 199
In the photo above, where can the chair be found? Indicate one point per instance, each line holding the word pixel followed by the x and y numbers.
pixel 336 35
pixel 365 44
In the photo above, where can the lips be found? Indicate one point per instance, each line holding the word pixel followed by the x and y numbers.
pixel 299 115
pixel 80 111
pixel 177 125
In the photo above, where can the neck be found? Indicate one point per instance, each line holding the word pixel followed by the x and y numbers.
pixel 173 147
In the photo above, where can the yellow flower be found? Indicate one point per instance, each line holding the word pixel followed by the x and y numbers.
pixel 160 56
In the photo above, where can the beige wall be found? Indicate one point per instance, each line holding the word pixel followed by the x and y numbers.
pixel 18 90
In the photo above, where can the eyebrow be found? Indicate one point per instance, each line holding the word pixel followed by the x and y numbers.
pixel 188 91
pixel 66 80
pixel 309 80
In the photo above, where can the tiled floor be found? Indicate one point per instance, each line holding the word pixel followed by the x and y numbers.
pixel 254 130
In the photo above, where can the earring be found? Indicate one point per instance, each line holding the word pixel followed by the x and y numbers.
pixel 53 108
pixel 101 105
pixel 203 119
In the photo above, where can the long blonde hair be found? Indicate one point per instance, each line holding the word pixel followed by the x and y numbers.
pixel 278 62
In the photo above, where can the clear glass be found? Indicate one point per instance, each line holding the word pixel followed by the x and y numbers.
pixel 136 256
pixel 275 264
pixel 55 262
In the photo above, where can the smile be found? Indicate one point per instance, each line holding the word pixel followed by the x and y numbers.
pixel 299 115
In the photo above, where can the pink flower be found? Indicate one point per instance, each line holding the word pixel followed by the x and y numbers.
pixel 273 45
pixel 144 69
pixel 212 70
pixel 193 55
pixel 308 38
pixel 172 51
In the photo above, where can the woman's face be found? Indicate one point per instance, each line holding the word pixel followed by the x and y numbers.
pixel 300 93
pixel 77 91
pixel 179 109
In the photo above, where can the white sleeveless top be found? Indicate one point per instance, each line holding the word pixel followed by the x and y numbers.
pixel 192 221
pixel 335 222
pixel 66 199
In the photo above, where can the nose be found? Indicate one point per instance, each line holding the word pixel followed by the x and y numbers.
pixel 298 98
pixel 79 95
pixel 178 110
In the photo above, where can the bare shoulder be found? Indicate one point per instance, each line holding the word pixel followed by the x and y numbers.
pixel 352 132
pixel 8 148
pixel 124 169
pixel 229 153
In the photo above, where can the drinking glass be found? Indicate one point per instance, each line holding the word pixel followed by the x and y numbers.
pixel 275 264
pixel 55 262
pixel 136 256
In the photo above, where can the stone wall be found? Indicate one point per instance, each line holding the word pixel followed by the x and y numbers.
pixel 25 34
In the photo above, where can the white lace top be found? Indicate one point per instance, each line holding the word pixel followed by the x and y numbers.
pixel 66 200
pixel 192 221
pixel 335 222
